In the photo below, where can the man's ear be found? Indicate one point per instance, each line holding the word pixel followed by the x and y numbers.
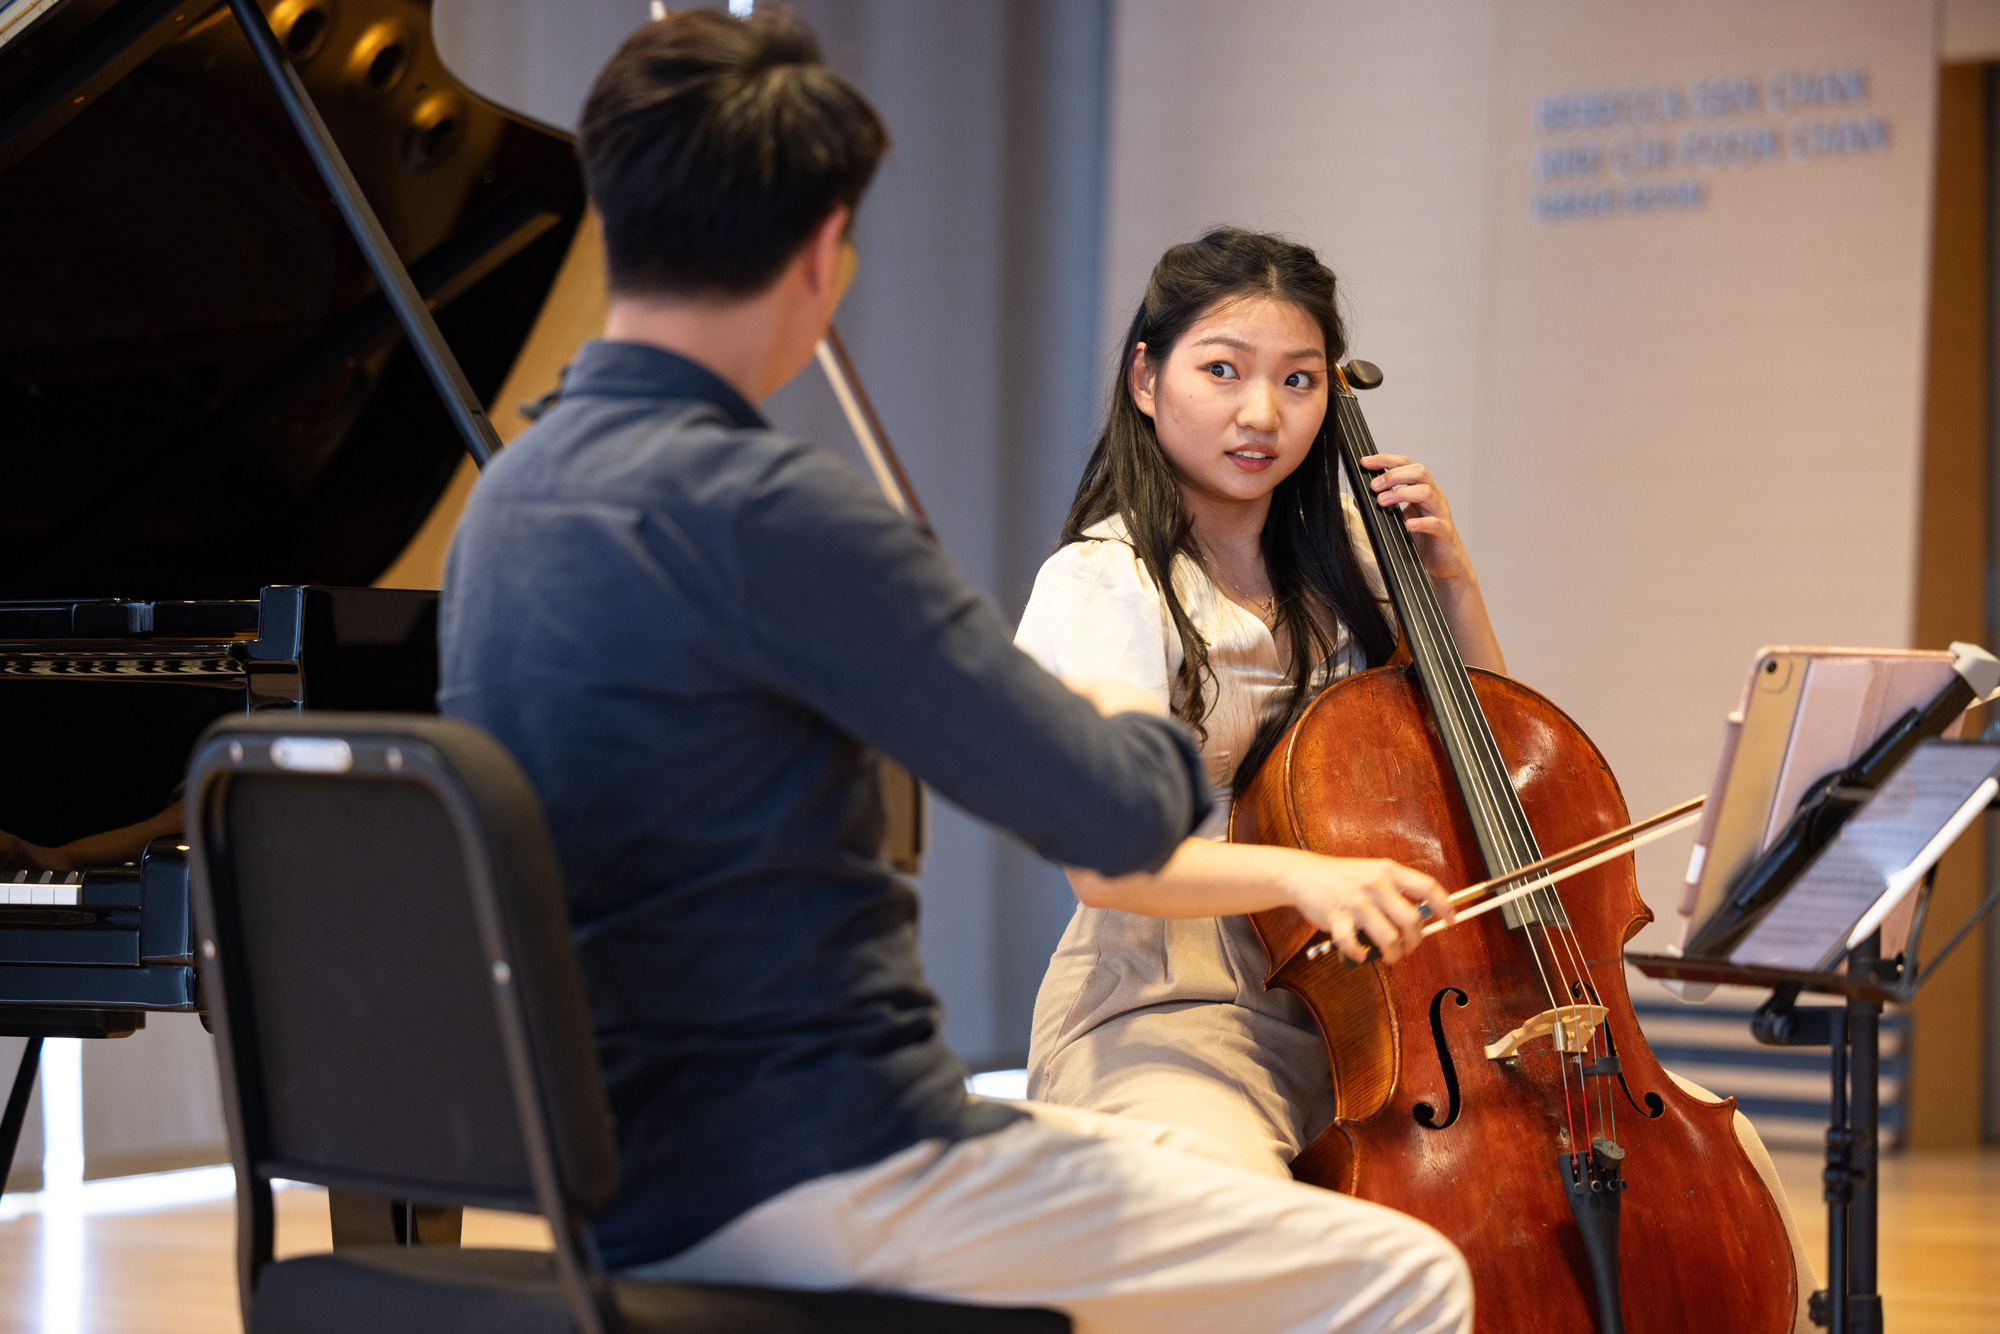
pixel 1143 378
pixel 822 253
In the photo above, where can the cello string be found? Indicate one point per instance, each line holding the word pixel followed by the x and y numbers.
pixel 1428 635
pixel 1454 711
pixel 1455 685
pixel 1543 908
pixel 1426 631
pixel 1501 810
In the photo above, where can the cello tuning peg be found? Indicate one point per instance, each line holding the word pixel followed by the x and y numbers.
pixel 1362 374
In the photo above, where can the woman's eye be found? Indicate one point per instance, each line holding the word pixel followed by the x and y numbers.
pixel 1299 380
pixel 1221 370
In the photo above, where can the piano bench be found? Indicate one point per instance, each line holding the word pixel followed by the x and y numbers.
pixel 446 1290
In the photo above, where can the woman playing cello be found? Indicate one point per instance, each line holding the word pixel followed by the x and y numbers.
pixel 1200 561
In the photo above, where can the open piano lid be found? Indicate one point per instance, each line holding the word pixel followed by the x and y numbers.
pixel 202 390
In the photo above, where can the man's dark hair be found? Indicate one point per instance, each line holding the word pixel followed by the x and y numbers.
pixel 714 145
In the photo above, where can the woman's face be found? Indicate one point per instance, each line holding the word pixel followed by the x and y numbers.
pixel 1239 399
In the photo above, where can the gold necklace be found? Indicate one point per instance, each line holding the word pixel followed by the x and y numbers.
pixel 1267 606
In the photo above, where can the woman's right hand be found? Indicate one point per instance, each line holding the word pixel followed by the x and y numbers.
pixel 1352 897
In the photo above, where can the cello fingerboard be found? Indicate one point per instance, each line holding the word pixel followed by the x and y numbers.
pixel 1506 842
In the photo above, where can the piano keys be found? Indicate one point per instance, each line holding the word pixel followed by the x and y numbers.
pixel 100 700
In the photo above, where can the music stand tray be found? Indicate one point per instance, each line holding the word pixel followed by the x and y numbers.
pixel 1849 1304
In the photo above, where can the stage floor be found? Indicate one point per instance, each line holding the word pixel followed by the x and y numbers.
pixel 170 1271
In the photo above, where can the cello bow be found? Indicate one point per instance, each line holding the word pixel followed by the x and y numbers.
pixel 904 840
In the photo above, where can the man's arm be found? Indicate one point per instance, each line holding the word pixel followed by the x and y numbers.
pixel 849 608
pixel 114 847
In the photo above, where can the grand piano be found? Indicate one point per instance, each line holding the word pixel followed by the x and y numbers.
pixel 263 262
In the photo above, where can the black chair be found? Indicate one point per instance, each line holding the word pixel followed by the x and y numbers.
pixel 399 1012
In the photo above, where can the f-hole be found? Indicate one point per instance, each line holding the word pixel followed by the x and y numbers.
pixel 1654 1105
pixel 1425 1113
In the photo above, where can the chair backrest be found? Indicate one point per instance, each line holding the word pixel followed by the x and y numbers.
pixel 388 969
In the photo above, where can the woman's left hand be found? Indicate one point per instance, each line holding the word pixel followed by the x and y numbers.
pixel 1428 516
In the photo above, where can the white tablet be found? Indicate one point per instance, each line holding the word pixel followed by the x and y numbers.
pixel 1805 713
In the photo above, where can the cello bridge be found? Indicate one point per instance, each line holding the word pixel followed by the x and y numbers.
pixel 1570 1027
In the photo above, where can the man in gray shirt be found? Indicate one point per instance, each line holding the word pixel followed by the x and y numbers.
pixel 694 634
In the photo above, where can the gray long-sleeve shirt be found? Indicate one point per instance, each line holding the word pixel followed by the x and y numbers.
pixel 690 631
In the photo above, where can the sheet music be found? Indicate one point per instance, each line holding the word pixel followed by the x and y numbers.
pixel 1878 855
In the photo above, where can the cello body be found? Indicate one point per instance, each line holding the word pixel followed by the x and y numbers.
pixel 1702 1246
pixel 1495 1083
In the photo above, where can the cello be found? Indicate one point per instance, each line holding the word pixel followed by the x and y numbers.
pixel 1496 1085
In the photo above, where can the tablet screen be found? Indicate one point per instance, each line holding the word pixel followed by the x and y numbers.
pixel 1879 855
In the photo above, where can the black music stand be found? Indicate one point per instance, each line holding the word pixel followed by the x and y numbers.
pixel 1849 1304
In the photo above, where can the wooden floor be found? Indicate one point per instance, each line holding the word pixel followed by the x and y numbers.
pixel 170 1271
pixel 1940 1249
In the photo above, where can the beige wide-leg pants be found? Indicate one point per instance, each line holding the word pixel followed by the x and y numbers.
pixel 1232 1076
pixel 1126 1225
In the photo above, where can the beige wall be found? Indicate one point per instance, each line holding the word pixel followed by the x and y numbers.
pixel 1363 129
pixel 152 1102
pixel 1702 428
pixel 1969 30
pixel 1669 438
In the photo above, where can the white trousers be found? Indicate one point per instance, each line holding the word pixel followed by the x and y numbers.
pixel 1125 1225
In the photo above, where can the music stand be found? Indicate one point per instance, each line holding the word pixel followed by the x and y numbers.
pixel 1849 1304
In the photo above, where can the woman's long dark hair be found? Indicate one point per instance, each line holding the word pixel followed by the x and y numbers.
pixel 1307 550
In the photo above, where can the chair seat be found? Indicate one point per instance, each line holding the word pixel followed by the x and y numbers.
pixel 447 1290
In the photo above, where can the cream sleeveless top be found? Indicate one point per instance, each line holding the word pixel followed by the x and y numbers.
pixel 1095 611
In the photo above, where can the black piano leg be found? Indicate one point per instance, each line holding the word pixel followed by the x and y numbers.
pixel 17 1106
